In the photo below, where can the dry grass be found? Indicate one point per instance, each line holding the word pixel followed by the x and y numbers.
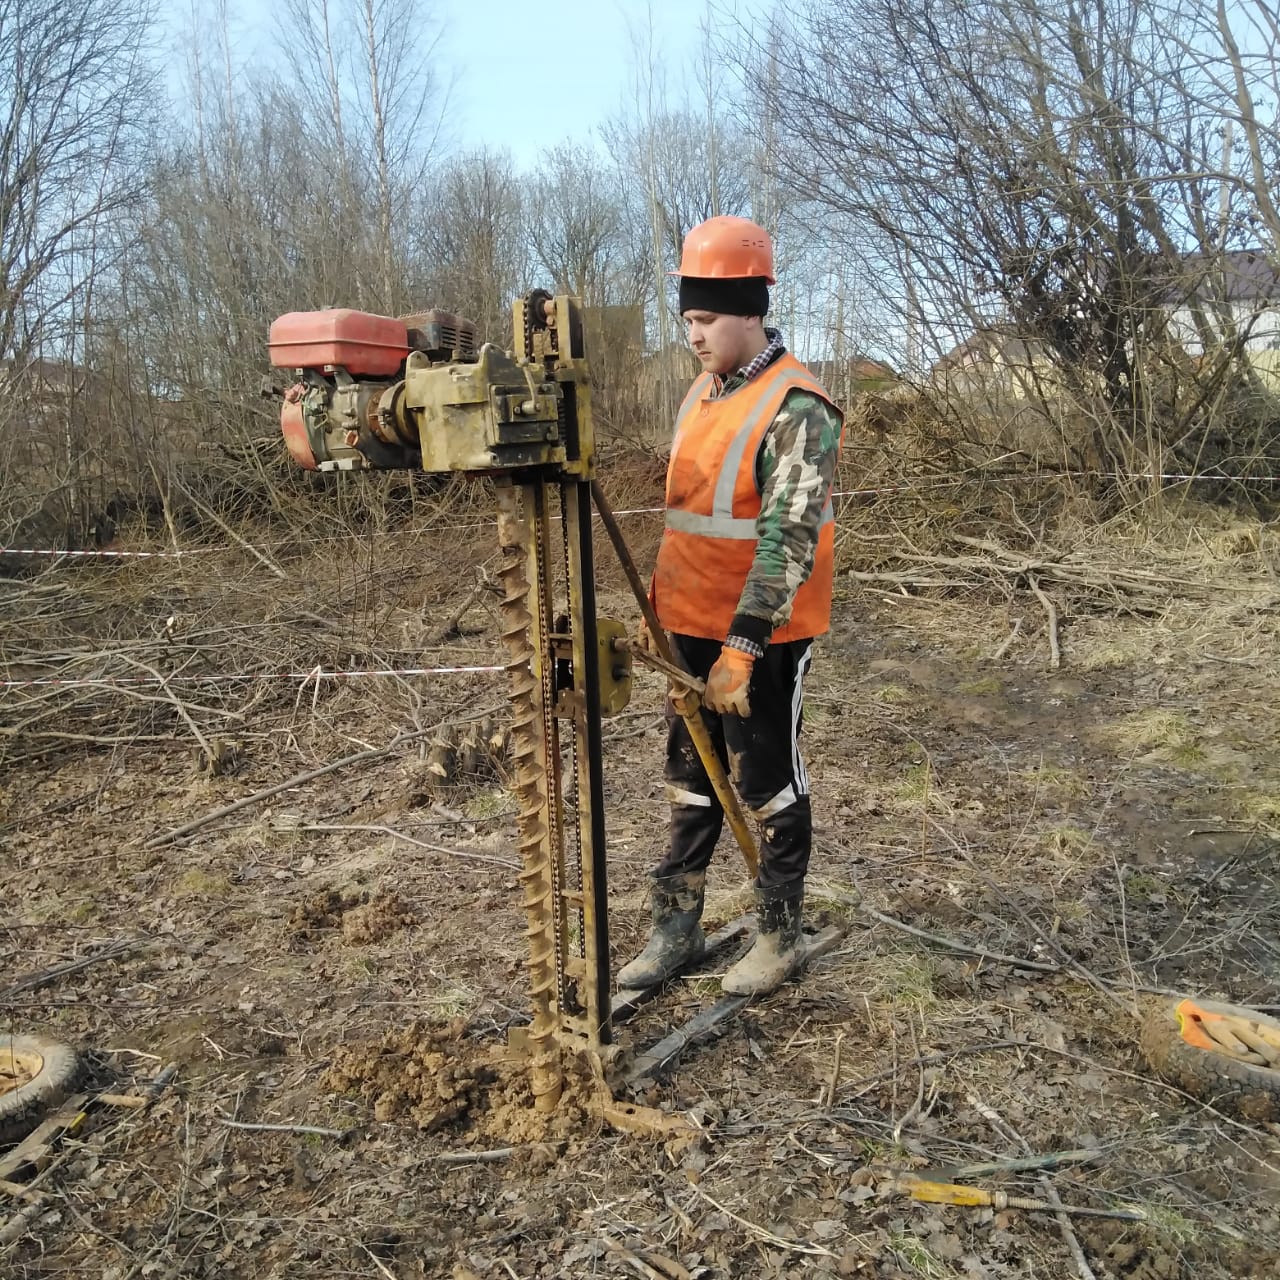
pixel 1057 782
pixel 1156 735
pixel 1105 657
pixel 1064 841
pixel 1258 808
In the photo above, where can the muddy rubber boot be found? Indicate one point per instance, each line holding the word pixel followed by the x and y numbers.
pixel 776 953
pixel 677 936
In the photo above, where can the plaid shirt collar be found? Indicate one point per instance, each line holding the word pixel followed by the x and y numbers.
pixel 754 366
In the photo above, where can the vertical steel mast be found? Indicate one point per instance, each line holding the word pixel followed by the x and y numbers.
pixel 556 664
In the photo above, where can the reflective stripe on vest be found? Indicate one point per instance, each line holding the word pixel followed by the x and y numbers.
pixel 721 523
pixel 739 529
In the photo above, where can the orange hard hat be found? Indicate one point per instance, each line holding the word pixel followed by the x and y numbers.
pixel 727 248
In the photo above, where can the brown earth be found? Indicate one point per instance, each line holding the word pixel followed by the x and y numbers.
pixel 348 955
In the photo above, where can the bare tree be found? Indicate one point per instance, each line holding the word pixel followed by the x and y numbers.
pixel 577 227
pixel 693 175
pixel 1224 61
pixel 75 111
pixel 289 198
pixel 1016 168
pixel 472 239
pixel 401 109
pixel 375 94
pixel 685 176
pixel 585 237
pixel 313 46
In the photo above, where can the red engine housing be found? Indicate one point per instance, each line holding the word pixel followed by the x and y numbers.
pixel 293 426
pixel 366 346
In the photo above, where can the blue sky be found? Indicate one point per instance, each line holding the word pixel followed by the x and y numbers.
pixel 582 52
pixel 584 48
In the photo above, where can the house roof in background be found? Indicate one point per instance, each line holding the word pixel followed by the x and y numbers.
pixel 859 368
pixel 52 377
pixel 988 345
pixel 1249 275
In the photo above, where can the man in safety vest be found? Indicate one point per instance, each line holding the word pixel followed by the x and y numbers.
pixel 743 584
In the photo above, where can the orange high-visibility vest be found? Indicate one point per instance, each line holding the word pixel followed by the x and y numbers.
pixel 709 542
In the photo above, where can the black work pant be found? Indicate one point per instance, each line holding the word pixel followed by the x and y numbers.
pixel 762 755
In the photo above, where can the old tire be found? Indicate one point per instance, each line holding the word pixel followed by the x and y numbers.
pixel 36 1073
pixel 1180 1053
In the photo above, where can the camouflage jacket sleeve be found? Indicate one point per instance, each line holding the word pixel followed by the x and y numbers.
pixel 797 470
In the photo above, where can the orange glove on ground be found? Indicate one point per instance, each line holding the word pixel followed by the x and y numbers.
pixel 728 683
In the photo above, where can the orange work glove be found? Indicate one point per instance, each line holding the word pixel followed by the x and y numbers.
pixel 644 639
pixel 728 683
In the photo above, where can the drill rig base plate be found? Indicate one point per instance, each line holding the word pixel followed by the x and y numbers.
pixel 647 1122
pixel 664 1053
pixel 624 1117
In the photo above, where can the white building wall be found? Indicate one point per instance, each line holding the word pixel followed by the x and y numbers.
pixel 1263 336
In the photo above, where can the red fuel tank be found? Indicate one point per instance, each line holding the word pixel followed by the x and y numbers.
pixel 366 346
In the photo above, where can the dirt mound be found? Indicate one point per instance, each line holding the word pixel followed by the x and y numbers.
pixel 360 916
pixel 431 1076
pixel 420 1073
pixel 380 917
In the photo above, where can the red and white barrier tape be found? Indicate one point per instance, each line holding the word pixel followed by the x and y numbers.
pixel 642 511
pixel 305 676
pixel 132 555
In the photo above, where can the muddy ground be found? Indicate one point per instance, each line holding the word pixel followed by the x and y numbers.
pixel 348 955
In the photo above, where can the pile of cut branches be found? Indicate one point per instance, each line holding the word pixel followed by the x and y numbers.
pixel 1058 580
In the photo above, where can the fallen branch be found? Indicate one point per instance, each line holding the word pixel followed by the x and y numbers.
pixel 284 1128
pixel 421 844
pixel 1047 1189
pixel 649 1265
pixel 1008 640
pixel 983 953
pixel 834 1083
pixel 377 1262
pixel 98 740
pixel 996 957
pixel 1051 612
pixel 34 981
pixel 178 706
pixel 453 626
pixel 768 1237
pixel 226 528
pixel 1020 1164
pixel 1072 964
pixel 374 753
pixel 15 1226
pixel 997 566
pixel 914 1110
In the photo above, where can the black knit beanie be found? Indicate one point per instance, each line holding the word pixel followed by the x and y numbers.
pixel 736 296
